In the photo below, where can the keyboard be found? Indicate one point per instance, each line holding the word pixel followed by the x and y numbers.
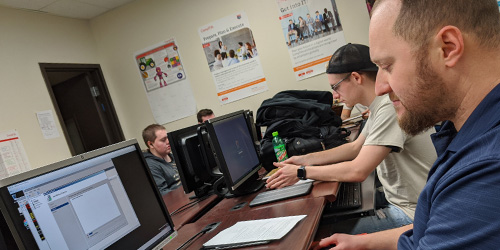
pixel 281 194
pixel 348 197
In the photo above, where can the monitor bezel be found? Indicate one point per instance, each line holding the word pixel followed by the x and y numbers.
pixel 4 183
pixel 209 124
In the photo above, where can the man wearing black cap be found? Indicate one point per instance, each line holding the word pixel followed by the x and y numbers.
pixel 402 161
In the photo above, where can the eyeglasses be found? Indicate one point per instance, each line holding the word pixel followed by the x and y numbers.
pixel 336 85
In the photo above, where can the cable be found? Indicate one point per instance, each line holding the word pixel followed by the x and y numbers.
pixel 188 205
pixel 206 229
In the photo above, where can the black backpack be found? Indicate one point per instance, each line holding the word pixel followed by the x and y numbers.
pixel 305 121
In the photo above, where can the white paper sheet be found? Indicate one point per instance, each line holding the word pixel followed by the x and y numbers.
pixel 255 230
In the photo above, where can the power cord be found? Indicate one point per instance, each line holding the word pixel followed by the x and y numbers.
pixel 203 231
pixel 188 205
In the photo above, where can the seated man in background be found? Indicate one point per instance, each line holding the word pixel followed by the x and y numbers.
pixel 402 161
pixel 159 158
pixel 204 114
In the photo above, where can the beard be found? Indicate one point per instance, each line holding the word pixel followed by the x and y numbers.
pixel 428 103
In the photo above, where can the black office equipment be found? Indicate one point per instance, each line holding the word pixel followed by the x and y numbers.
pixel 194 160
pixel 282 194
pixel 105 198
pixel 367 207
pixel 348 197
pixel 235 153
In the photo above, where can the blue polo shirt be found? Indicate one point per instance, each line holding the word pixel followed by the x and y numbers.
pixel 459 207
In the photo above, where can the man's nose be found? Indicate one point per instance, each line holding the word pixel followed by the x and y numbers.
pixel 382 84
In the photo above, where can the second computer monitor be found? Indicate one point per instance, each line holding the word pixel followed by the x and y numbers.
pixel 237 156
pixel 193 158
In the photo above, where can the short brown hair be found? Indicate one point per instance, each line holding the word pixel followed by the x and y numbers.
pixel 149 133
pixel 204 112
pixel 418 20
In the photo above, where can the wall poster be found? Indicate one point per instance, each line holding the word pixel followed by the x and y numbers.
pixel 312 31
pixel 164 79
pixel 13 158
pixel 233 58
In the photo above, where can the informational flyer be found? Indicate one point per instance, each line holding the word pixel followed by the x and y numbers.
pixel 13 158
pixel 233 58
pixel 167 87
pixel 47 124
pixel 312 31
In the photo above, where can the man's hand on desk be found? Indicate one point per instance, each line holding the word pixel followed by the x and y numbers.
pixel 341 241
pixel 285 176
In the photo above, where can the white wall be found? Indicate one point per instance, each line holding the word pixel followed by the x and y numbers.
pixel 27 39
pixel 121 33
pixel 111 41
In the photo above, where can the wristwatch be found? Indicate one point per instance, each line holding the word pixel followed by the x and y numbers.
pixel 301 172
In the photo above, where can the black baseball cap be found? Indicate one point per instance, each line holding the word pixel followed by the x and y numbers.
pixel 350 58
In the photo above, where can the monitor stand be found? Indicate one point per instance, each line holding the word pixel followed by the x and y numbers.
pixel 202 191
pixel 252 185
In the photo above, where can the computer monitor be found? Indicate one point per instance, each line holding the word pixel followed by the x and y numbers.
pixel 255 130
pixel 235 152
pixel 197 167
pixel 105 198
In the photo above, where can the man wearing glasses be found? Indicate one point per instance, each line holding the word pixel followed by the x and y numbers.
pixel 402 162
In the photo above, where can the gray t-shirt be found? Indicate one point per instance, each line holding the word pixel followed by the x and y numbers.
pixel 403 173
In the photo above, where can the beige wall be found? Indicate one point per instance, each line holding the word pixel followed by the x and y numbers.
pixel 112 39
pixel 27 39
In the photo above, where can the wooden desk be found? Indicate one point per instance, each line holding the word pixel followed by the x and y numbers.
pixel 177 198
pixel 225 207
pixel 300 237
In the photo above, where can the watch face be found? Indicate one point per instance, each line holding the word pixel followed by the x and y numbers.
pixel 301 173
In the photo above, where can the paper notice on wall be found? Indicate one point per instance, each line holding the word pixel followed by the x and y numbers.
pixel 13 158
pixel 164 79
pixel 47 124
pixel 233 58
pixel 312 31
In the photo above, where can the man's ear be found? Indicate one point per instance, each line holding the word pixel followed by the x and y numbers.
pixel 150 144
pixel 357 77
pixel 451 43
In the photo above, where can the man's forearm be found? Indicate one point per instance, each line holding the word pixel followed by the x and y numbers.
pixel 387 239
pixel 345 152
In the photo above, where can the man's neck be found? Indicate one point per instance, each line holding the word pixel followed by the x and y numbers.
pixel 481 78
pixel 155 153
pixel 368 95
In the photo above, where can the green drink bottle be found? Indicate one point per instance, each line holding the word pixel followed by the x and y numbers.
pixel 279 147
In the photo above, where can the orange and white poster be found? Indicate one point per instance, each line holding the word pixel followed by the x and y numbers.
pixel 312 31
pixel 233 58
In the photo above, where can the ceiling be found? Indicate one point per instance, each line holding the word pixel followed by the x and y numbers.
pixel 80 9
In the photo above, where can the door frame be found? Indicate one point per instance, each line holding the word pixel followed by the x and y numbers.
pixel 93 70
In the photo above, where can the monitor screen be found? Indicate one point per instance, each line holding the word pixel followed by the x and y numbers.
pixel 236 153
pixel 193 159
pixel 101 199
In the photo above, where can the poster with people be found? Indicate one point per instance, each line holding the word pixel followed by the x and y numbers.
pixel 167 87
pixel 233 58
pixel 312 31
